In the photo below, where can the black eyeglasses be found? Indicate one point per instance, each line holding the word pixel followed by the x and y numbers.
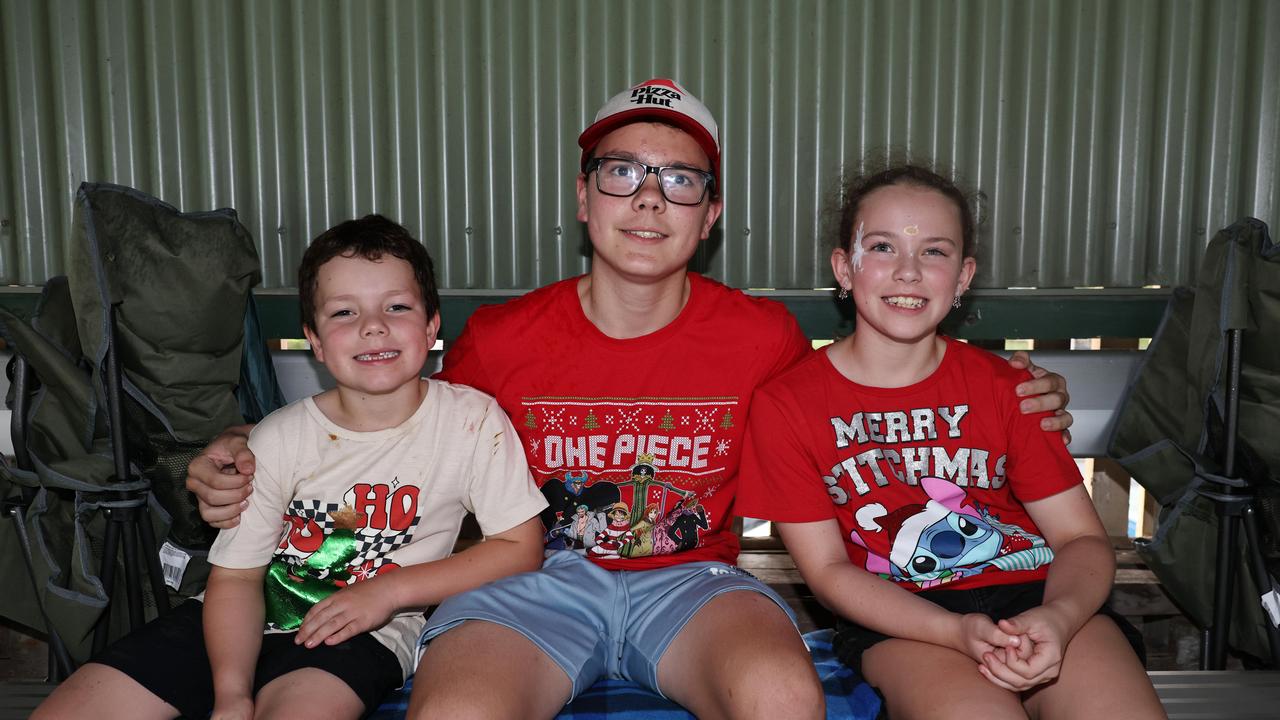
pixel 622 178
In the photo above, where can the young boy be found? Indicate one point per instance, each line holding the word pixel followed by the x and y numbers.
pixel 371 477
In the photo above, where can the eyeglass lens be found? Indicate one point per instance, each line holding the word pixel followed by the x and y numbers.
pixel 683 186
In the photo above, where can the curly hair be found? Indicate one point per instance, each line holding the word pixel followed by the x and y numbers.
pixel 369 237
pixel 855 190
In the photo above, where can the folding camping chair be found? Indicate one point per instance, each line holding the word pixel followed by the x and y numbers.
pixel 130 365
pixel 1196 429
pixel 1236 501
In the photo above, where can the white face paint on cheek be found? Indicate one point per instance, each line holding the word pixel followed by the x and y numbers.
pixel 858 250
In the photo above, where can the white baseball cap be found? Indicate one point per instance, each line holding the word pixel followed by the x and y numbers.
pixel 660 99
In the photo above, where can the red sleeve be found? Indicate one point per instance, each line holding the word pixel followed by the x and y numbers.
pixel 792 346
pixel 779 478
pixel 462 361
pixel 1038 464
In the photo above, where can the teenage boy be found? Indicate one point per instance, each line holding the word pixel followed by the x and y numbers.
pixel 359 495
pixel 641 381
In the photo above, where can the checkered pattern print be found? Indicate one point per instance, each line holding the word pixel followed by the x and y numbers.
pixel 371 544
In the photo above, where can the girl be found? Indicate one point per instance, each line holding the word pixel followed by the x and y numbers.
pixel 953 538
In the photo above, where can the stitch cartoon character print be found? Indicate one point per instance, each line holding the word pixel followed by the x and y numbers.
pixel 943 539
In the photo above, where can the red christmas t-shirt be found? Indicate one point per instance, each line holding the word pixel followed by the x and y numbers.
pixel 927 482
pixel 635 443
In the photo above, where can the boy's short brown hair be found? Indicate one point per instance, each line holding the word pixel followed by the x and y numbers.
pixel 370 237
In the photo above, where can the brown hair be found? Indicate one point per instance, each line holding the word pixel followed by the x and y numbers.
pixel 370 237
pixel 857 189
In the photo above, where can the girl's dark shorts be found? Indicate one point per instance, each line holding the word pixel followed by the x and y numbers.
pixel 167 656
pixel 997 602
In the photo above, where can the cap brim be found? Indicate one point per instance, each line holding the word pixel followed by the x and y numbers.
pixel 596 132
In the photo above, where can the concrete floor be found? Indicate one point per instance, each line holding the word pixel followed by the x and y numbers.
pixel 22 656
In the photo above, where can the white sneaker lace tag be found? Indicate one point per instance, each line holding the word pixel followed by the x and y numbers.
pixel 1271 603
pixel 173 561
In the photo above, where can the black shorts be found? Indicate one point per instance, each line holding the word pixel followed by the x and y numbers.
pixel 997 602
pixel 167 656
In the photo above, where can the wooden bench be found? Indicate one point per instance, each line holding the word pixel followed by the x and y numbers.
pixel 1227 694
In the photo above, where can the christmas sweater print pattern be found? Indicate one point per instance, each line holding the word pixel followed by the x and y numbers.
pixel 626 477
pixel 635 443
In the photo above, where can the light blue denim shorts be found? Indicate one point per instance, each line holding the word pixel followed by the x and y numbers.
pixel 598 623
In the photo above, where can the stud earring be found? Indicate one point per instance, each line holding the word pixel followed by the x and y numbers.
pixel 955 302
pixel 843 294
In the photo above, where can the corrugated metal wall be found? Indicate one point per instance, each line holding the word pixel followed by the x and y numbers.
pixel 1109 137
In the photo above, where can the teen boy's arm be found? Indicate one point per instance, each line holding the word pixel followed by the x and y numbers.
pixel 368 605
pixel 233 620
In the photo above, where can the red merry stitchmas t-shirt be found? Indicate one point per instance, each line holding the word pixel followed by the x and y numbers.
pixel 927 481
pixel 635 443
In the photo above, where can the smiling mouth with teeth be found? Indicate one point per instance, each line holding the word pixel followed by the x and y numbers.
pixel 905 302
pixel 646 234
pixel 385 355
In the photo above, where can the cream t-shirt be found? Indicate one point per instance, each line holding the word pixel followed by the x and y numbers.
pixel 409 486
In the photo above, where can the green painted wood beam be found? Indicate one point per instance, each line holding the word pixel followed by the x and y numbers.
pixel 985 314
pixel 999 314
pixel 19 300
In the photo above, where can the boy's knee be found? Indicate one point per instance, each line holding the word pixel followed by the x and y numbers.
pixel 452 707
pixel 794 693
pixel 774 688
pixel 500 701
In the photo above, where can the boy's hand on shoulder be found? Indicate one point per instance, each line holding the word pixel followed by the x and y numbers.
pixel 219 477
pixel 354 609
pixel 240 708
pixel 1045 392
